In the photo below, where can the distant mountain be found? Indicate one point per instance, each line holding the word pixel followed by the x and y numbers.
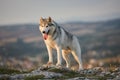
pixel 100 39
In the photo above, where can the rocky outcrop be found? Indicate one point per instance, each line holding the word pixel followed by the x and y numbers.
pixel 96 73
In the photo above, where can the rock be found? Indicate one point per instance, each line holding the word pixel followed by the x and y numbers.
pixel 102 74
pixel 117 77
pixel 17 76
pixel 117 69
pixel 62 72
pixel 77 78
pixel 51 74
pixel 39 71
pixel 45 73
pixel 4 76
pixel 108 73
pixel 90 72
pixel 113 74
pixel 86 79
pixel 97 70
pixel 83 71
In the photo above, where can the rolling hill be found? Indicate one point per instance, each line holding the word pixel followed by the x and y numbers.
pixel 97 39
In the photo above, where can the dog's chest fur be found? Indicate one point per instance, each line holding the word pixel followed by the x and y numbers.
pixel 56 43
pixel 51 43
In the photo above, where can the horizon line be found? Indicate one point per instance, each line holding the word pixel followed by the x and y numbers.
pixel 68 21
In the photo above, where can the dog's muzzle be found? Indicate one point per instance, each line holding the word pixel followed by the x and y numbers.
pixel 45 34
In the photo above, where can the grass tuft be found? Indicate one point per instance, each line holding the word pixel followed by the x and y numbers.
pixel 8 71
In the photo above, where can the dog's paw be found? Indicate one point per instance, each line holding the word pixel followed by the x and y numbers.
pixel 58 65
pixel 48 65
pixel 80 69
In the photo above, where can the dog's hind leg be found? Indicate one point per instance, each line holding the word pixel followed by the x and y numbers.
pixel 76 52
pixel 77 56
pixel 66 58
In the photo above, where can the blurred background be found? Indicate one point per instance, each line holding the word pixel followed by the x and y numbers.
pixel 95 22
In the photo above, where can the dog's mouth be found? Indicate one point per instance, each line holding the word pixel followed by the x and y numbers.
pixel 45 35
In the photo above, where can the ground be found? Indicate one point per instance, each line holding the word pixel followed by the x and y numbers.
pixel 54 73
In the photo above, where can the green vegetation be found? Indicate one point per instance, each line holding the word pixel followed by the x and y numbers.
pixel 66 73
pixel 5 70
pixel 9 71
pixel 72 74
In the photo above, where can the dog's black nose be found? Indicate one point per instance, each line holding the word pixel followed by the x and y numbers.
pixel 43 32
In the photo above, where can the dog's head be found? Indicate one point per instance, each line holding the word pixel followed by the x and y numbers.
pixel 46 27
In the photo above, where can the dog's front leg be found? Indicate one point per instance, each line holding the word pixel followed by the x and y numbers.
pixel 59 56
pixel 50 62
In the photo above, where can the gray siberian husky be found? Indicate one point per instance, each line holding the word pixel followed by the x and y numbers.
pixel 58 38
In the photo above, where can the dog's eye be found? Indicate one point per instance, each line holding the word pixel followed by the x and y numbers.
pixel 46 26
pixel 51 24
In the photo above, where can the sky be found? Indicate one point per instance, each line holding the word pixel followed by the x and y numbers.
pixel 30 11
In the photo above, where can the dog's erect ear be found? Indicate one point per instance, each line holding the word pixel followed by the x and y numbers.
pixel 41 19
pixel 49 19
